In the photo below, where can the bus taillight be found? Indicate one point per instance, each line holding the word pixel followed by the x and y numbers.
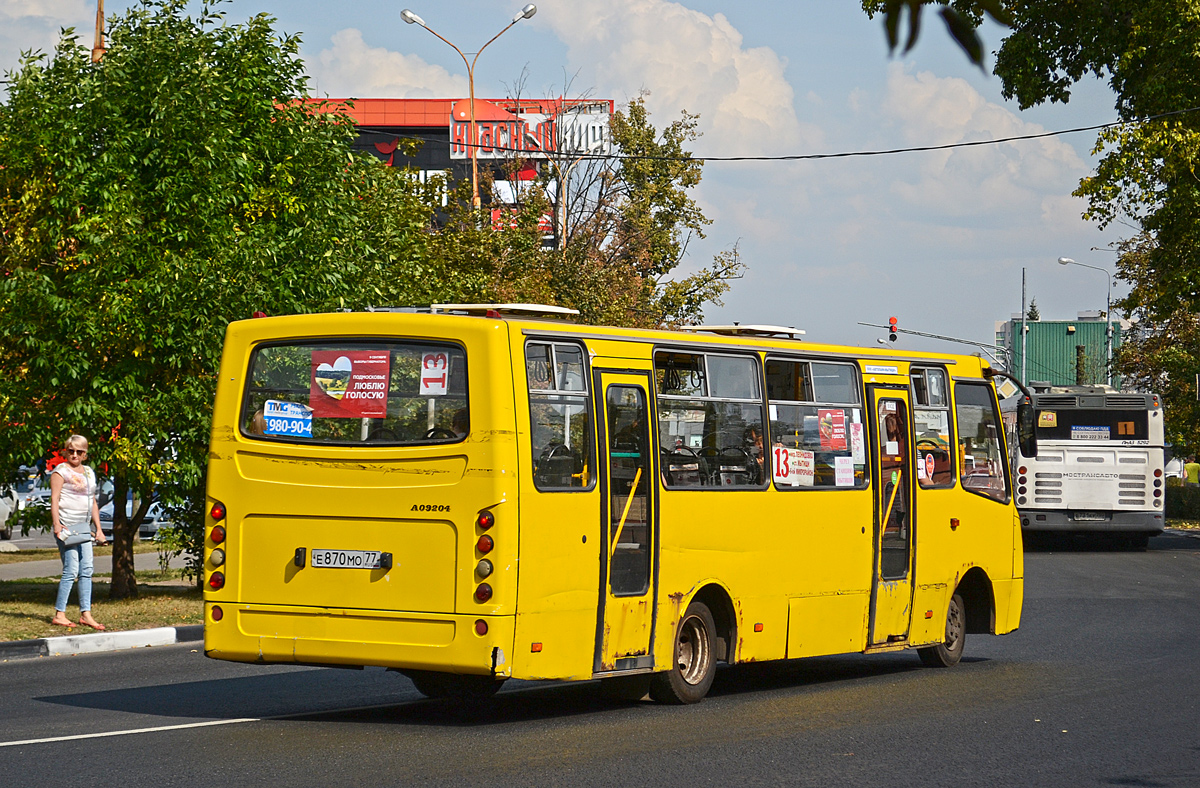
pixel 484 568
pixel 217 534
pixel 217 581
pixel 218 511
pixel 1022 470
pixel 1157 472
pixel 481 627
pixel 485 544
pixel 484 592
pixel 485 520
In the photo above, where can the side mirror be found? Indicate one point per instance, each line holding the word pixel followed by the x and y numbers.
pixel 1026 434
pixel 1168 452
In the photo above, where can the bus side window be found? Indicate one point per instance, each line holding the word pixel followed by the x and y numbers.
pixel 710 420
pixel 559 416
pixel 931 422
pixel 981 462
pixel 817 425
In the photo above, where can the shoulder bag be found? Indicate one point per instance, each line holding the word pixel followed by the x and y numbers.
pixel 78 534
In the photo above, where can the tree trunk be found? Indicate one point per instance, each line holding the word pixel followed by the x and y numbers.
pixel 124 581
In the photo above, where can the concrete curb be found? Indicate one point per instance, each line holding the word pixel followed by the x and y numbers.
pixel 100 641
pixel 1179 532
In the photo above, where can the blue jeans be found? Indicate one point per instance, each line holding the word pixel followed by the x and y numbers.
pixel 77 563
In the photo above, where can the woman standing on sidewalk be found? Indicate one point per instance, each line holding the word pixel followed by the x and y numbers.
pixel 72 505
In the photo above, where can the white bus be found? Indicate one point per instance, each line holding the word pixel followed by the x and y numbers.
pixel 1099 466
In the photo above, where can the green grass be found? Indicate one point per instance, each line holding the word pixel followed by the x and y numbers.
pixel 27 605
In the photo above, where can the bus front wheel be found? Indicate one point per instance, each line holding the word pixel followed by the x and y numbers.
pixel 947 653
pixel 694 664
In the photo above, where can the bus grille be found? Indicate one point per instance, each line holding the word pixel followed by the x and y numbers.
pixel 1133 460
pixel 1047 500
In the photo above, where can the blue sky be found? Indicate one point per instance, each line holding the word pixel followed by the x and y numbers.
pixel 937 239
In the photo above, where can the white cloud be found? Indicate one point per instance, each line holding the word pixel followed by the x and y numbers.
pixel 688 61
pixel 351 68
pixel 66 11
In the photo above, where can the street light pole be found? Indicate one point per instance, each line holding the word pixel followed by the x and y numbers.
pixel 412 19
pixel 1107 312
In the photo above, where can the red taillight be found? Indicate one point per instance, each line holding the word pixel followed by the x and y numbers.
pixel 1157 472
pixel 217 581
pixel 484 592
pixel 485 544
pixel 217 613
pixel 217 534
pixel 217 512
pixel 481 627
pixel 485 520
pixel 1022 470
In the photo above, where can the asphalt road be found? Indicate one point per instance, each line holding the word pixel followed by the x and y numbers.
pixel 1099 687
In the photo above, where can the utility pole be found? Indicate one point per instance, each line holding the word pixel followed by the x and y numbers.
pixel 1024 330
pixel 98 48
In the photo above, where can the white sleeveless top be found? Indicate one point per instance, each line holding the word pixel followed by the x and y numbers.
pixel 78 491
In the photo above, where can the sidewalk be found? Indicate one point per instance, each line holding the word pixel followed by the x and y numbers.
pixel 100 641
pixel 103 565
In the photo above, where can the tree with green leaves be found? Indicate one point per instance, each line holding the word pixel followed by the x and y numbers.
pixel 146 201
pixel 962 19
pixel 1033 313
pixel 1149 53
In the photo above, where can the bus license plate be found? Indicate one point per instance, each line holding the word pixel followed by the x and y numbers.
pixel 346 559
pixel 1089 516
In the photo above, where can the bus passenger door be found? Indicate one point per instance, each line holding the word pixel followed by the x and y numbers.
pixel 892 586
pixel 625 623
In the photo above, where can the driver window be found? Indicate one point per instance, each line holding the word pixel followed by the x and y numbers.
pixel 559 416
pixel 710 420
pixel 931 423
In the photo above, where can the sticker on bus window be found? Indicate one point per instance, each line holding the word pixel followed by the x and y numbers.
pixel 435 374
pixel 843 471
pixel 1047 418
pixel 832 425
pixel 857 444
pixel 930 466
pixel 287 418
pixel 349 384
pixel 920 470
pixel 792 467
pixel 1079 433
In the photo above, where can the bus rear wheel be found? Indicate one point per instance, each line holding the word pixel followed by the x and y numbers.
pixel 694 661
pixel 947 653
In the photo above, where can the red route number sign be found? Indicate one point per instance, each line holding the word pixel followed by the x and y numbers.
pixel 435 373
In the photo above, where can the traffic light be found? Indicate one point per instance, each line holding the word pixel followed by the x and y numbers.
pixel 892 329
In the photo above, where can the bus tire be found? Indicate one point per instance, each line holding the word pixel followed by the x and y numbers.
pixel 947 653
pixel 694 661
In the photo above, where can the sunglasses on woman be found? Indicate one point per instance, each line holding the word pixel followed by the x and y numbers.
pixel 76 451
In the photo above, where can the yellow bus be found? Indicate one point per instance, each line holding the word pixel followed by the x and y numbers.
pixel 470 493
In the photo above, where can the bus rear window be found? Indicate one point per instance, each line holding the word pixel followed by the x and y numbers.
pixel 354 393
pixel 1093 425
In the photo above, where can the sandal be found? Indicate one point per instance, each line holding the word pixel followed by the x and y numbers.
pixel 95 625
pixel 67 624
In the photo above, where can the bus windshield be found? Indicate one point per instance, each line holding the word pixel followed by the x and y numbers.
pixel 357 392
pixel 1092 425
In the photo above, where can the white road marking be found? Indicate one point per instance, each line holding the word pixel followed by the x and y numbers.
pixel 104 734
pixel 186 725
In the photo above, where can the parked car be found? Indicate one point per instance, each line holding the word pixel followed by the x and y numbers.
pixel 155 516
pixel 8 510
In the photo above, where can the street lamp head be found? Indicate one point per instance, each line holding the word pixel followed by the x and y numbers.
pixel 1065 261
pixel 411 18
pixel 526 12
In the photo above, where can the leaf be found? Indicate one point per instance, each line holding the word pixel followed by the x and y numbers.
pixel 964 33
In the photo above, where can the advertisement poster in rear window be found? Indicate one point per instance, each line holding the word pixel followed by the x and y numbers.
pixel 349 384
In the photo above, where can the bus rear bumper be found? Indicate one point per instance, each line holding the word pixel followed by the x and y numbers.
pixel 1049 520
pixel 281 634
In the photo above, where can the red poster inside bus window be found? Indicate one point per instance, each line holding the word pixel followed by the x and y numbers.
pixel 349 384
pixel 832 424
